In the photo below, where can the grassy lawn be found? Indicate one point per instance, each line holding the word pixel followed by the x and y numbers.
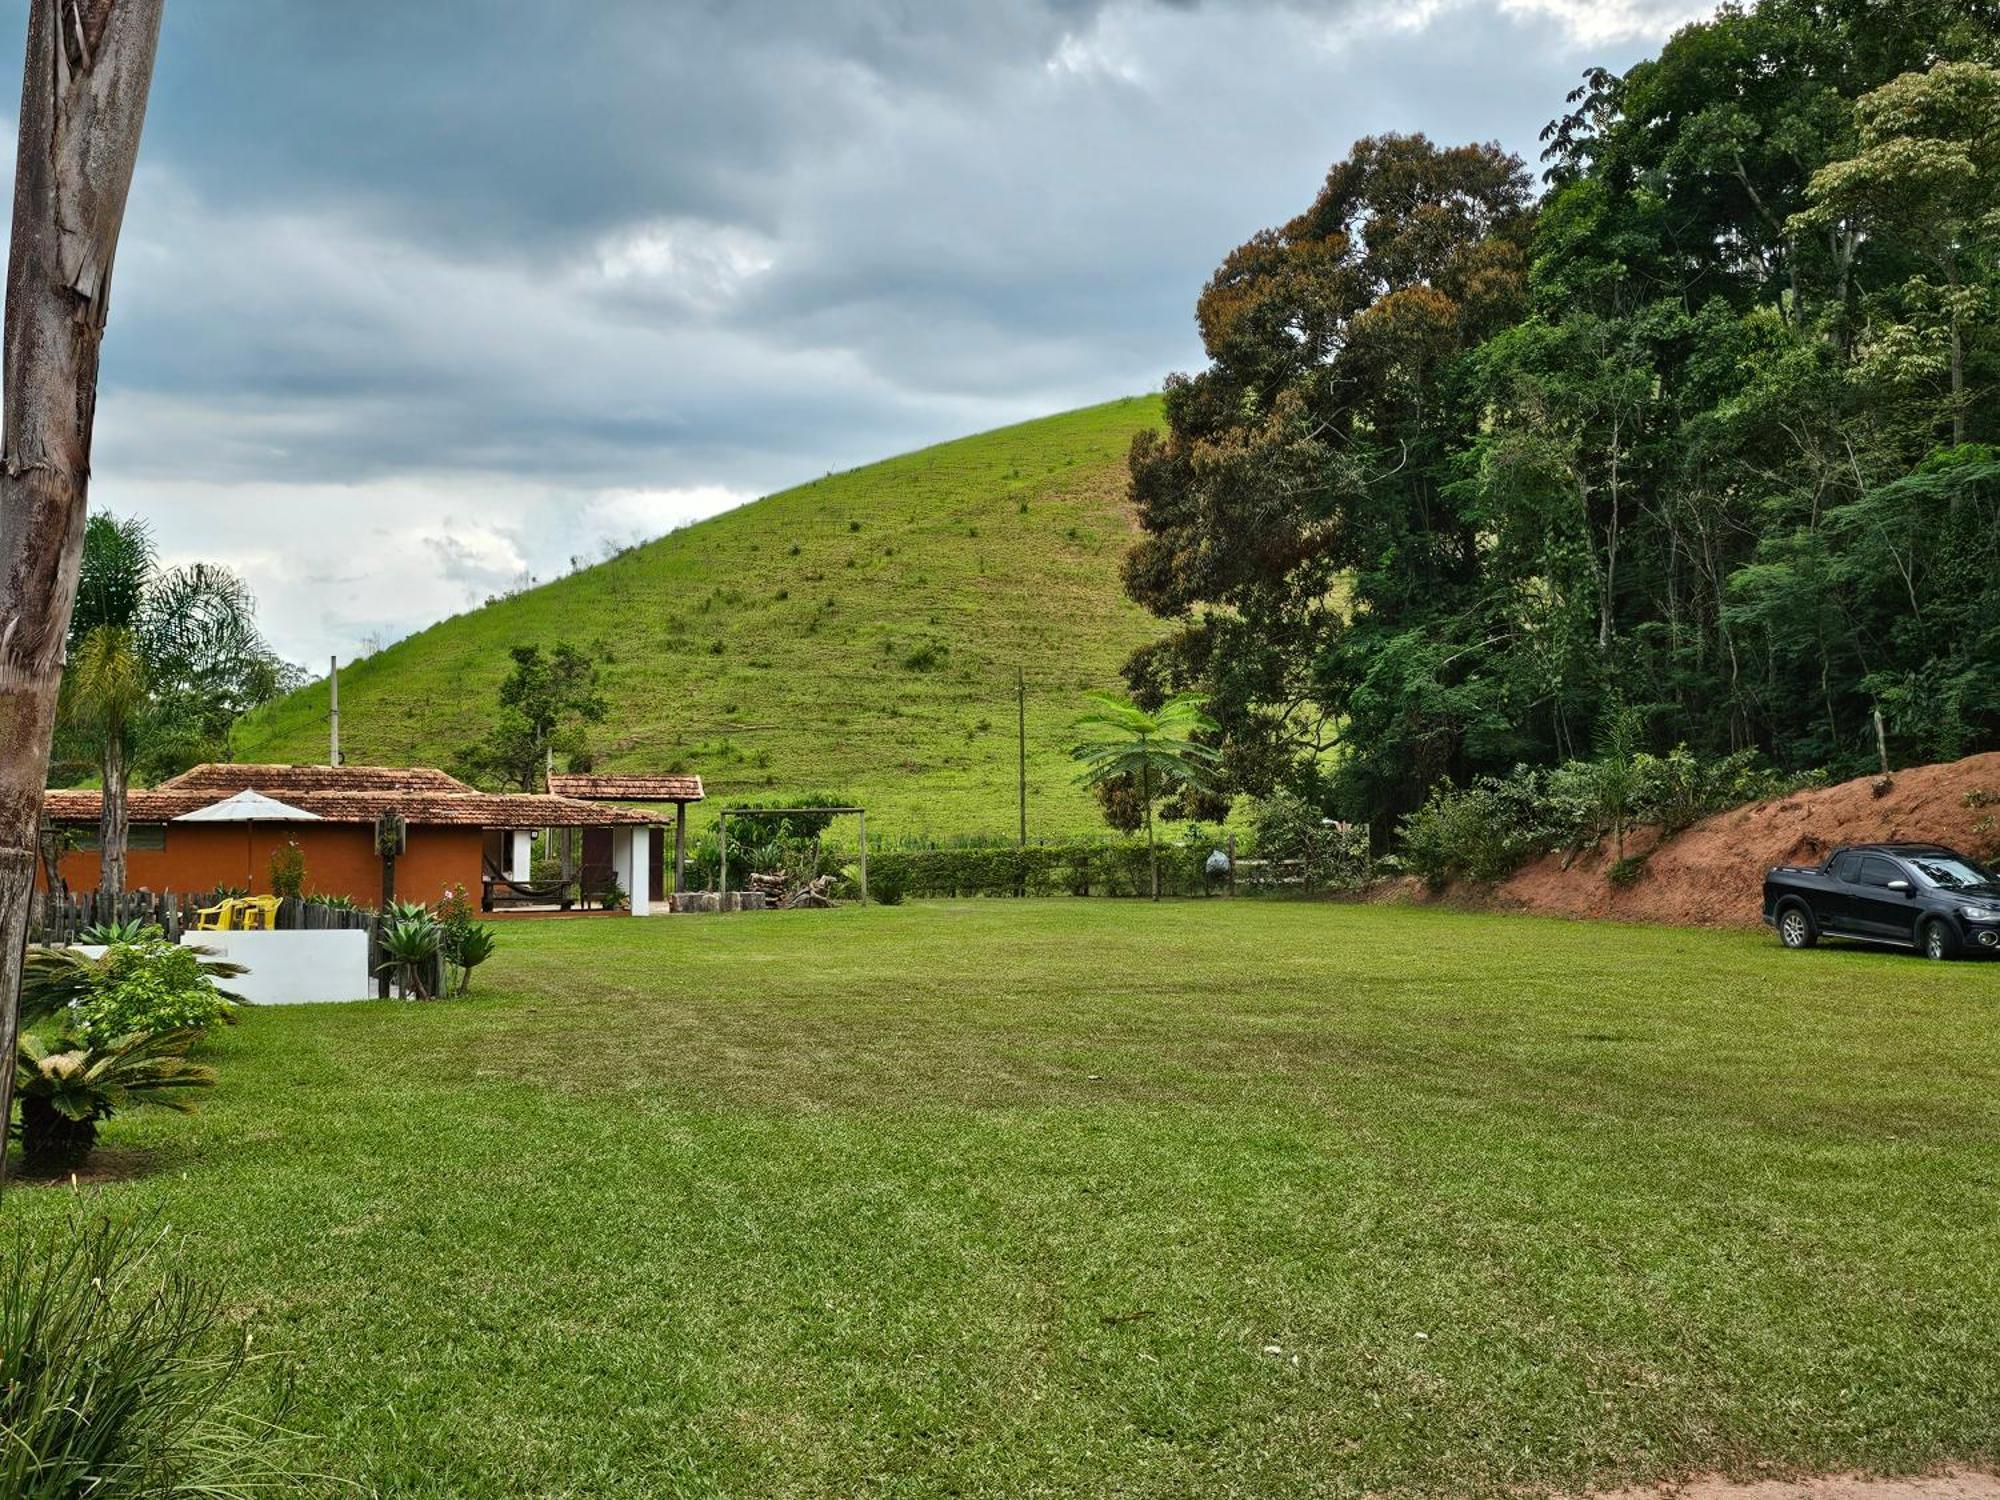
pixel 1084 1198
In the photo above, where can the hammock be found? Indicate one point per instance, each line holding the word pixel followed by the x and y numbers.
pixel 497 888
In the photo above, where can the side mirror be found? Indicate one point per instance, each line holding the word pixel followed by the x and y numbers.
pixel 1899 885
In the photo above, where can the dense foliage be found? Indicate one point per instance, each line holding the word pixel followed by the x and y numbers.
pixel 1704 436
pixel 147 985
pixel 100 1035
pixel 1486 829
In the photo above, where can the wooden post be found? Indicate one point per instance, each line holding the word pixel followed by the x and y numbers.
pixel 680 847
pixel 722 839
pixel 863 815
pixel 388 895
pixel 1021 742
pixel 1231 850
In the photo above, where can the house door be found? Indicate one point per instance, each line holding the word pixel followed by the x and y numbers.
pixel 656 862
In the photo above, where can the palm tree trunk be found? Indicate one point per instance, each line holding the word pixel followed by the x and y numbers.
pixel 111 822
pixel 1152 848
pixel 83 103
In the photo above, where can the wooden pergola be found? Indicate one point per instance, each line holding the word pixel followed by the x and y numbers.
pixel 722 834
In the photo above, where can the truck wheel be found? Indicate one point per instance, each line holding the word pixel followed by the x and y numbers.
pixel 1937 941
pixel 1795 926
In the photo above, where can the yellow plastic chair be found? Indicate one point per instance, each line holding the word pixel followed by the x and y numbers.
pixel 220 917
pixel 258 913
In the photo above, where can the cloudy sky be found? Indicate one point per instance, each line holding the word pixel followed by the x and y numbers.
pixel 417 298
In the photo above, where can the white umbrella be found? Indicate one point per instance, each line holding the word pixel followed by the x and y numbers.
pixel 249 807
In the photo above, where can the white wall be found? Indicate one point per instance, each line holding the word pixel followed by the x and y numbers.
pixel 631 852
pixel 285 968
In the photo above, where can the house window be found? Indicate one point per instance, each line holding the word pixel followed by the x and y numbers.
pixel 151 837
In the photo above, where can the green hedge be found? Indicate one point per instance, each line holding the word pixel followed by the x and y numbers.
pixel 1078 869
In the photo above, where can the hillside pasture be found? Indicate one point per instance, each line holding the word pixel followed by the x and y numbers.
pixel 857 636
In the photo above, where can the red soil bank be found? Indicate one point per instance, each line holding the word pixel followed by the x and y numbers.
pixel 1712 874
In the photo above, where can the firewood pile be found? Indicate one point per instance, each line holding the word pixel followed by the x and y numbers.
pixel 781 890
pixel 813 893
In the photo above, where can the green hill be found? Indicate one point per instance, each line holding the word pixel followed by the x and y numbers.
pixel 857 635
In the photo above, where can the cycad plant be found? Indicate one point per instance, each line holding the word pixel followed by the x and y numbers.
pixel 66 1087
pixel 1153 750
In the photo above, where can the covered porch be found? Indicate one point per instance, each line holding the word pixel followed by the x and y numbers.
pixel 630 855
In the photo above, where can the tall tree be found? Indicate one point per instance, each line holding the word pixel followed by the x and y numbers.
pixel 161 662
pixel 1149 751
pixel 1926 172
pixel 83 104
pixel 547 705
pixel 1300 521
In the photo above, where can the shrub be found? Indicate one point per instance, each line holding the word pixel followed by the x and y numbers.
pixel 887 887
pixel 146 987
pixel 1288 830
pixel 119 1377
pixel 1624 872
pixel 1489 828
pixel 105 934
pixel 464 943
pixel 475 946
pixel 1482 832
pixel 288 870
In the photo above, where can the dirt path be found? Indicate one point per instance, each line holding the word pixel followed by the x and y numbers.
pixel 1955 1484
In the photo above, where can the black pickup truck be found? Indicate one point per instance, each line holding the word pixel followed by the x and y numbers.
pixel 1920 896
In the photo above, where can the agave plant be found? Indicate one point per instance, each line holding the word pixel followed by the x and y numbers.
pixel 411 947
pixel 66 1088
pixel 472 946
pixel 105 934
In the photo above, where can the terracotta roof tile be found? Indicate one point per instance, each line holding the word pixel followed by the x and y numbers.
pixel 350 794
pixel 277 781
pixel 594 788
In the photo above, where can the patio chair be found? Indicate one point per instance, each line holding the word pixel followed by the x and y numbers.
pixel 258 913
pixel 220 917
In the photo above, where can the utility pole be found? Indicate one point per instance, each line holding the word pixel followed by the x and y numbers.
pixel 1021 721
pixel 333 713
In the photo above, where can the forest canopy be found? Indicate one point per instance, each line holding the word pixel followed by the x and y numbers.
pixel 1697 433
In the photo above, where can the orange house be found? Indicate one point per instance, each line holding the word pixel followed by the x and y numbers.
pixel 218 825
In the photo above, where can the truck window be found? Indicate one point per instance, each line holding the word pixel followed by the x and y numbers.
pixel 1876 870
pixel 1841 866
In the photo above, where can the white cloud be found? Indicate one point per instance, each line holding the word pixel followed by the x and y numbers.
pixel 702 265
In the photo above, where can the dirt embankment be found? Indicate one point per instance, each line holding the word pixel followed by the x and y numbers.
pixel 1712 874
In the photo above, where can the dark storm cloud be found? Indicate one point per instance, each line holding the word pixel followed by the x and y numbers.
pixel 480 284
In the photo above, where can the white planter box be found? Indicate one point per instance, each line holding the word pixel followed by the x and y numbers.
pixel 287 968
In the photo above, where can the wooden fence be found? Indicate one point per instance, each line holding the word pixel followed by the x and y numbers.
pixel 60 917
